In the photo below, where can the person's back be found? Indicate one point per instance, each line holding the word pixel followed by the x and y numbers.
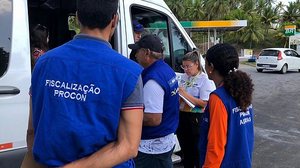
pixel 227 131
pixel 85 82
pixel 87 98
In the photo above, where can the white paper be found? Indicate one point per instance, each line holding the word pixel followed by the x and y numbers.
pixel 187 101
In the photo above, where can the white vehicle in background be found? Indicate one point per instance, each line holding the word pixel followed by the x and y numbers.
pixel 278 59
pixel 17 16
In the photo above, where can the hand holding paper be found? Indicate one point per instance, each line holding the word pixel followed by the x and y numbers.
pixel 187 101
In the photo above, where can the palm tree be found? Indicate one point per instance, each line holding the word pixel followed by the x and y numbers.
pixel 176 7
pixel 280 8
pixel 292 12
pixel 249 6
pixel 253 33
pixel 196 11
pixel 268 17
pixel 216 9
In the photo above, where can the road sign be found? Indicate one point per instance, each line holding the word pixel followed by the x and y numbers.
pixel 290 30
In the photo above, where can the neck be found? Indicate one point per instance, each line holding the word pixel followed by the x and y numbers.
pixel 102 34
pixel 218 81
pixel 198 72
pixel 151 61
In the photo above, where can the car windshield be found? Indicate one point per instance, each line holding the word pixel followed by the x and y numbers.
pixel 269 53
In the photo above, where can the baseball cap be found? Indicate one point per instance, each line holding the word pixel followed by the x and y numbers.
pixel 137 27
pixel 150 41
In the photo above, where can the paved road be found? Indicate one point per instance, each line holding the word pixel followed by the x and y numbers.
pixel 276 103
pixel 277 118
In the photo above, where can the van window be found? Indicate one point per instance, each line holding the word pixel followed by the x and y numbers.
pixel 180 47
pixel 5 33
pixel 59 18
pixel 155 22
pixel 56 17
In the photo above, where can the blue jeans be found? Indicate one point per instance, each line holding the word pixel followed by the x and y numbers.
pixel 144 160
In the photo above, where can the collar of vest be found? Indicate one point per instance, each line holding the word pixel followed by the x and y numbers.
pixel 89 37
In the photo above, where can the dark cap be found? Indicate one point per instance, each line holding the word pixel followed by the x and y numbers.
pixel 137 27
pixel 150 41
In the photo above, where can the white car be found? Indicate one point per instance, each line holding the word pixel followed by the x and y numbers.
pixel 278 59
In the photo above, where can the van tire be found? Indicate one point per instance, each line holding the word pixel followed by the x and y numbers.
pixel 259 70
pixel 284 69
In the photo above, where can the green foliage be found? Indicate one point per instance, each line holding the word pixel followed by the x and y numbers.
pixel 266 21
pixel 73 25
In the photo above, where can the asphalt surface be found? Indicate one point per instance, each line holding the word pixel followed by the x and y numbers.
pixel 276 103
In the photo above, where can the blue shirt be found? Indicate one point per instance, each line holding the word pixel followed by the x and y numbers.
pixel 78 90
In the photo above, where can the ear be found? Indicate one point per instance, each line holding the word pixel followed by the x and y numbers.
pixel 148 52
pixel 77 20
pixel 211 67
pixel 115 21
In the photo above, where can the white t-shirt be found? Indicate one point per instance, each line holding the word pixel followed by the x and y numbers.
pixel 154 102
pixel 198 86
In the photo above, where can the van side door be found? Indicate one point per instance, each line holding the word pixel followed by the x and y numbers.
pixel 158 20
pixel 15 73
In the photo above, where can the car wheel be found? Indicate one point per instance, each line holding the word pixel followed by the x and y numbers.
pixel 298 70
pixel 284 69
pixel 259 70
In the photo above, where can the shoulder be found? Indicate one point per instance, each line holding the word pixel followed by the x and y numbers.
pixel 152 85
pixel 214 98
pixel 57 51
pixel 222 93
pixel 202 76
pixel 126 64
pixel 202 79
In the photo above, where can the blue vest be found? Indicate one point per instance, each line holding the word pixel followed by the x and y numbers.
pixel 77 92
pixel 240 135
pixel 160 72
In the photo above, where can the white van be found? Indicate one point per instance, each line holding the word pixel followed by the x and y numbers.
pixel 16 16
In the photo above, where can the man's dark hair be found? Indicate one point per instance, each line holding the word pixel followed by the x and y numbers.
pixel 96 13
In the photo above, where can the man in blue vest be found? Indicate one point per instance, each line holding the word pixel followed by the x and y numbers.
pixel 87 102
pixel 161 103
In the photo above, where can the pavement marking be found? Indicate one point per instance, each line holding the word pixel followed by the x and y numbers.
pixel 278 136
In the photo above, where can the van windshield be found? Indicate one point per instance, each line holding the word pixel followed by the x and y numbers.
pixel 5 33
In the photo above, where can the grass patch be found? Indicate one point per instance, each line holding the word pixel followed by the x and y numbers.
pixel 253 64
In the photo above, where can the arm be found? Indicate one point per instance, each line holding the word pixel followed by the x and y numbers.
pixel 125 148
pixel 28 161
pixel 217 135
pixel 129 135
pixel 30 130
pixel 152 119
pixel 153 100
pixel 206 88
pixel 194 100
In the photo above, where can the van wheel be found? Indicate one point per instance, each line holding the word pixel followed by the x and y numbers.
pixel 284 69
pixel 259 70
